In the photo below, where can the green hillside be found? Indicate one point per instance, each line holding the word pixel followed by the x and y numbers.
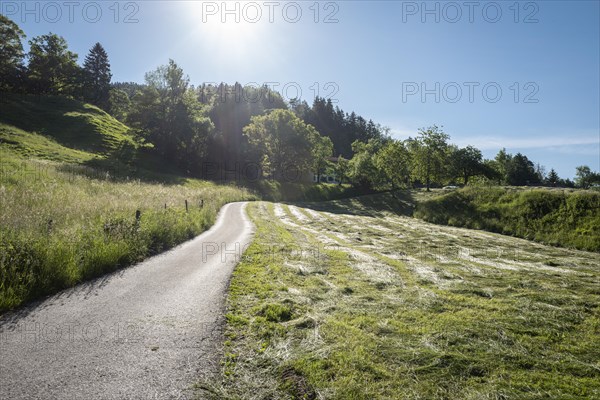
pixel 71 181
pixel 67 122
pixel 65 217
pixel 568 218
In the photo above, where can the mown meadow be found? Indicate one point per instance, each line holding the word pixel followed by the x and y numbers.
pixel 352 300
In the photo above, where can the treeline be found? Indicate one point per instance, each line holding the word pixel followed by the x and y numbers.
pixel 222 131
pixel 430 160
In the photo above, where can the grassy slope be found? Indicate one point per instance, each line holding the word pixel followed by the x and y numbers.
pixel 67 215
pixel 69 201
pixel 557 217
pixel 70 123
pixel 347 301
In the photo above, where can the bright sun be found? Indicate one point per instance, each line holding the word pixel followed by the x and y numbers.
pixel 235 35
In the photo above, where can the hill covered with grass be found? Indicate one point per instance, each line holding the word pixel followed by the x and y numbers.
pixel 72 179
pixel 69 123
pixel 69 200
pixel 568 218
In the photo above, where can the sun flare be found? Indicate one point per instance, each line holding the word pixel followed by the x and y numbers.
pixel 231 31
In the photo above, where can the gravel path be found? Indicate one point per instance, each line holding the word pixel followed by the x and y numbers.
pixel 146 332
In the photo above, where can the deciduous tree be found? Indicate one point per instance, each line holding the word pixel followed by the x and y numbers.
pixel 11 54
pixel 169 114
pixel 585 177
pixel 52 67
pixel 393 159
pixel 284 142
pixel 428 151
pixel 467 162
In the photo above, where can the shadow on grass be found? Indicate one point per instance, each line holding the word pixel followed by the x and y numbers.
pixel 71 123
pixel 400 202
pixel 112 168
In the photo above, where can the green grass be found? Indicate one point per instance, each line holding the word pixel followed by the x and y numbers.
pixel 33 145
pixel 60 226
pixel 367 304
pixel 556 217
pixel 70 123
pixel 71 181
pixel 297 191
pixel 69 198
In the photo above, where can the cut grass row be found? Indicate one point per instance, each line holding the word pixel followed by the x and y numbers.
pixel 363 304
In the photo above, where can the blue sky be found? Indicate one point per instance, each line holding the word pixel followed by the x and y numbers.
pixel 406 65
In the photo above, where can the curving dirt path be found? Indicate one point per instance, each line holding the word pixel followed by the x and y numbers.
pixel 146 332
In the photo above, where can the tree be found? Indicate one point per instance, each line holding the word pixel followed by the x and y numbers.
pixel 342 169
pixel 520 171
pixel 11 54
pixel 502 161
pixel 363 172
pixel 231 107
pixel 585 177
pixel 467 162
pixel 284 142
pixel 322 150
pixel 428 152
pixel 517 170
pixel 96 77
pixel 300 108
pixel 52 67
pixel 393 160
pixel 540 172
pixel 567 183
pixel 342 128
pixel 552 179
pixel 168 114
pixel 118 104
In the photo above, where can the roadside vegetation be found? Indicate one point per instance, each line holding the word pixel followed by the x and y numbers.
pixel 70 196
pixel 61 223
pixel 351 300
pixel 291 191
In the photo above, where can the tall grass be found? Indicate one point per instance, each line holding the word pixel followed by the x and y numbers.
pixel 556 217
pixel 59 227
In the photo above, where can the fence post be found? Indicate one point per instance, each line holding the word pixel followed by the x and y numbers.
pixel 186 206
pixel 202 203
pixel 138 215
